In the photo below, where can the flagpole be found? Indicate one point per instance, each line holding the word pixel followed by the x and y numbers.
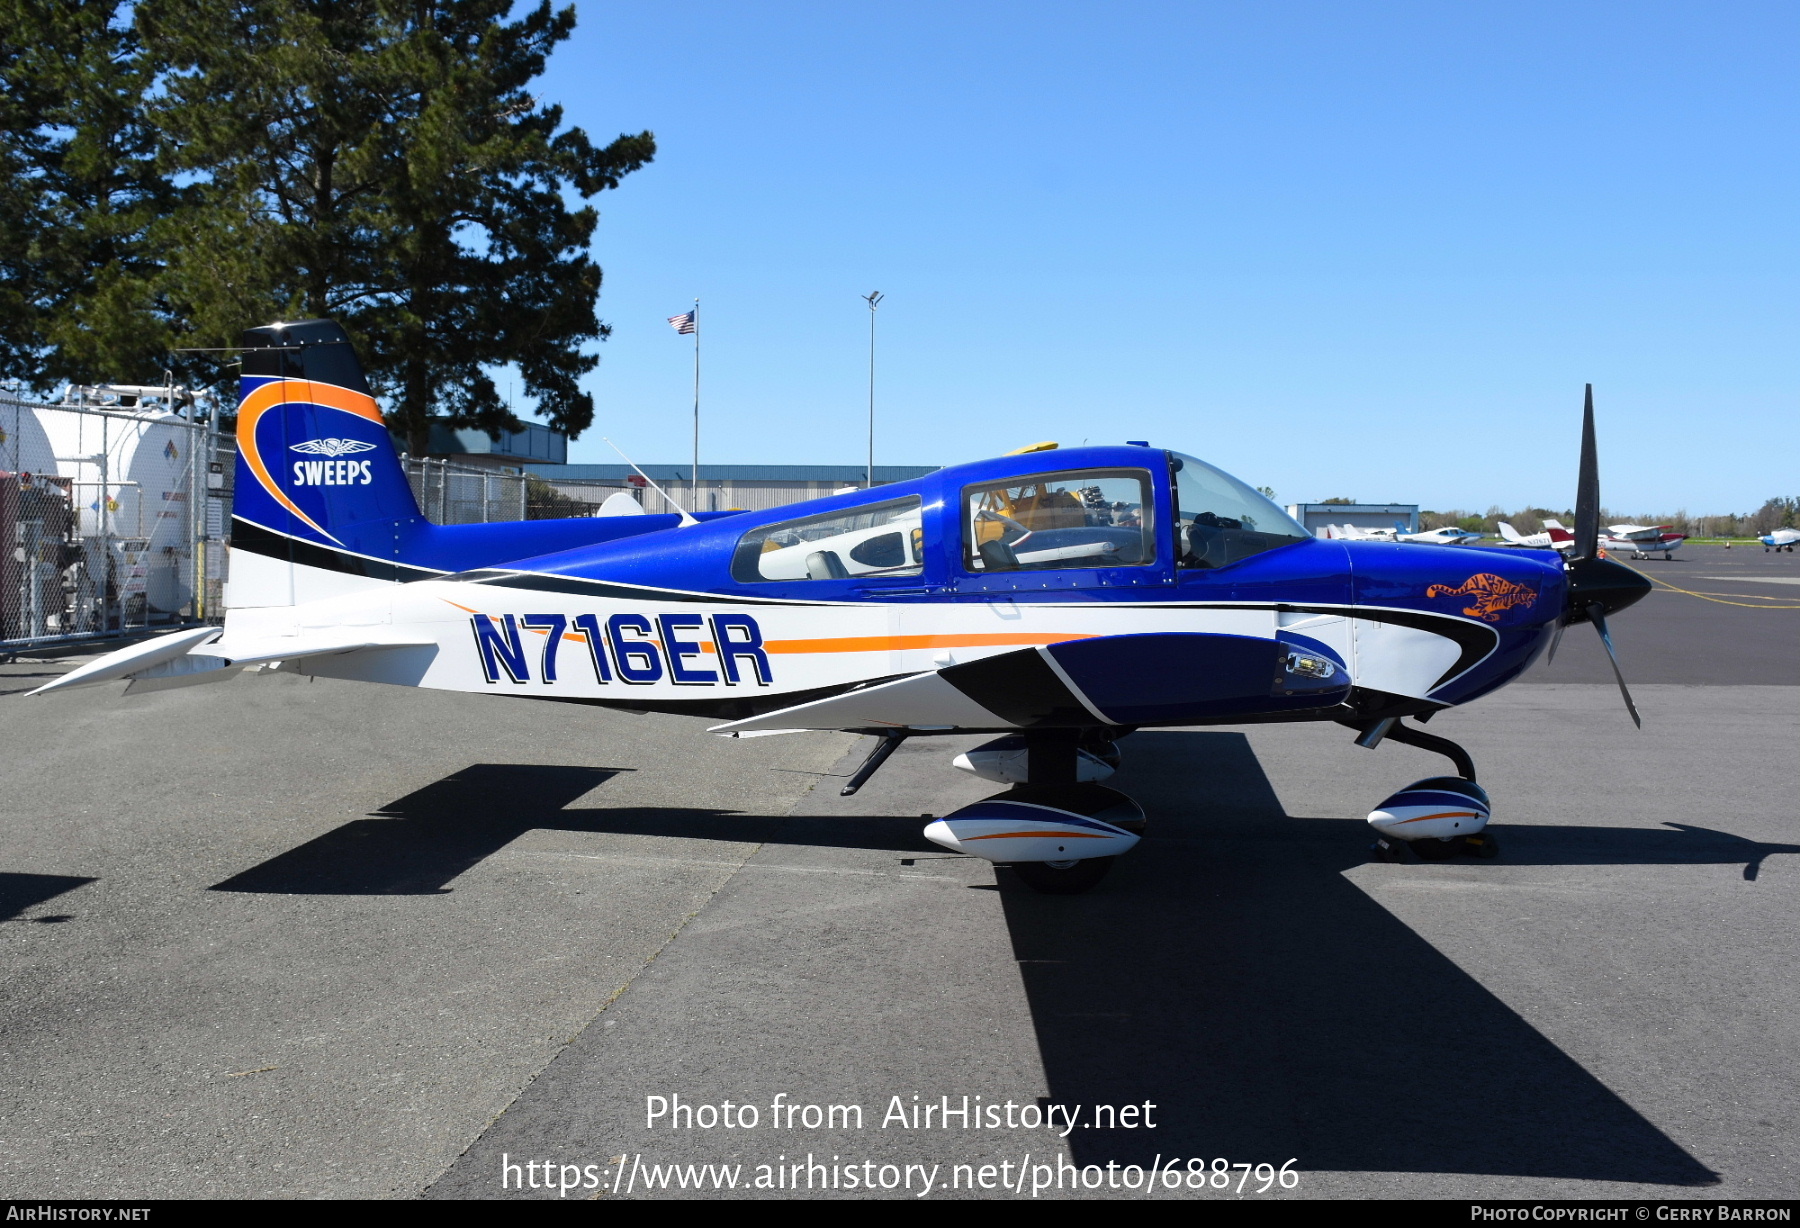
pixel 694 474
pixel 874 300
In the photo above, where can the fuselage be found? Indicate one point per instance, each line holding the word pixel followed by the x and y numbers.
pixel 1118 612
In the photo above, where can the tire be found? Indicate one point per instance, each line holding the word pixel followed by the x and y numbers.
pixel 1072 879
pixel 1483 846
pixel 1434 850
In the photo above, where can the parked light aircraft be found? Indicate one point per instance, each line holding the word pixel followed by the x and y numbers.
pixel 1780 539
pixel 1357 533
pixel 1448 536
pixel 1554 537
pixel 1642 540
pixel 1061 599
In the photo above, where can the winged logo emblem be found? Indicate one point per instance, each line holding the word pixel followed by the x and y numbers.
pixel 333 447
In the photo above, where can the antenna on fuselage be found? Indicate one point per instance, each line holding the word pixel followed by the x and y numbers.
pixel 686 517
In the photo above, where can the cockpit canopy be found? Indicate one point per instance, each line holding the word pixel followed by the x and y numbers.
pixel 1098 516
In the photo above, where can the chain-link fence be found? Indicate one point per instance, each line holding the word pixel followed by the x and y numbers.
pixel 449 493
pixel 466 494
pixel 101 527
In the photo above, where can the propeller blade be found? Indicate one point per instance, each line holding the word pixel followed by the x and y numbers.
pixel 1555 641
pixel 1587 488
pixel 1597 616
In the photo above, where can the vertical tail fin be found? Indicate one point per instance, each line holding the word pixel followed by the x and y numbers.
pixel 1508 532
pixel 320 492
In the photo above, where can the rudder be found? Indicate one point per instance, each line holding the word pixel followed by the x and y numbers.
pixel 321 498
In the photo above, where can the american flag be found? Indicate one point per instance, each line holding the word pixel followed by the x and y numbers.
pixel 685 324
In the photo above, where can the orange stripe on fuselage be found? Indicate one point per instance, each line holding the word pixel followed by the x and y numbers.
pixel 863 643
pixel 900 643
pixel 293 392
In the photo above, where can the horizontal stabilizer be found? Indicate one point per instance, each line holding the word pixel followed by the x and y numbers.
pixel 178 660
pixel 132 659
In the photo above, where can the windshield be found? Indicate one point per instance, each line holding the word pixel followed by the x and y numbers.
pixel 1219 520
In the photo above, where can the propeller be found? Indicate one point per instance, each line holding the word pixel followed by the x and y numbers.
pixel 1597 585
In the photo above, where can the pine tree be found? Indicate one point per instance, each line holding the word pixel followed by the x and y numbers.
pixel 172 171
pixel 382 163
pixel 79 195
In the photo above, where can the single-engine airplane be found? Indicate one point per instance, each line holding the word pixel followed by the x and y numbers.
pixel 1447 536
pixel 1642 540
pixel 1058 598
pixel 1780 539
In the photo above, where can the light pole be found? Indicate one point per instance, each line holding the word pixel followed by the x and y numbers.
pixel 873 299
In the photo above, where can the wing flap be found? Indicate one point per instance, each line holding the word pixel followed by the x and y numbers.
pixel 921 700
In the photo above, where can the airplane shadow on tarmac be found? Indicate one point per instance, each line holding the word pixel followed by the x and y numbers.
pixel 19 892
pixel 1228 971
pixel 418 844
pixel 1272 1009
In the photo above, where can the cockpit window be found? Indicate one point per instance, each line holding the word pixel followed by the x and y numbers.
pixel 1090 518
pixel 1219 520
pixel 882 539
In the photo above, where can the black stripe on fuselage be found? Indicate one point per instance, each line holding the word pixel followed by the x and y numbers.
pixel 254 539
pixel 544 582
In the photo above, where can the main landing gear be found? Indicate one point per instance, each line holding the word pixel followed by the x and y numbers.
pixel 1434 819
pixel 1058 831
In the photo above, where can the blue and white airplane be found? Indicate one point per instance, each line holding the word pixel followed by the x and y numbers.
pixel 1780 539
pixel 1059 598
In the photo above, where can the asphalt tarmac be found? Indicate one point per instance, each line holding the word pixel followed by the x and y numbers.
pixel 279 938
pixel 1716 617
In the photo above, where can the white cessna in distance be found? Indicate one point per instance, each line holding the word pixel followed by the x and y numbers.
pixel 1642 540
pixel 1554 537
pixel 1780 539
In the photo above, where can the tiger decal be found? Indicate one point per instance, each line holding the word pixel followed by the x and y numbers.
pixel 1490 595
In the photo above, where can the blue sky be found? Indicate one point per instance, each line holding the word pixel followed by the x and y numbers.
pixel 1370 250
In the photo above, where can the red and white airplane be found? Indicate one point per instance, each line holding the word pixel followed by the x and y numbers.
pixel 1642 540
pixel 1554 537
